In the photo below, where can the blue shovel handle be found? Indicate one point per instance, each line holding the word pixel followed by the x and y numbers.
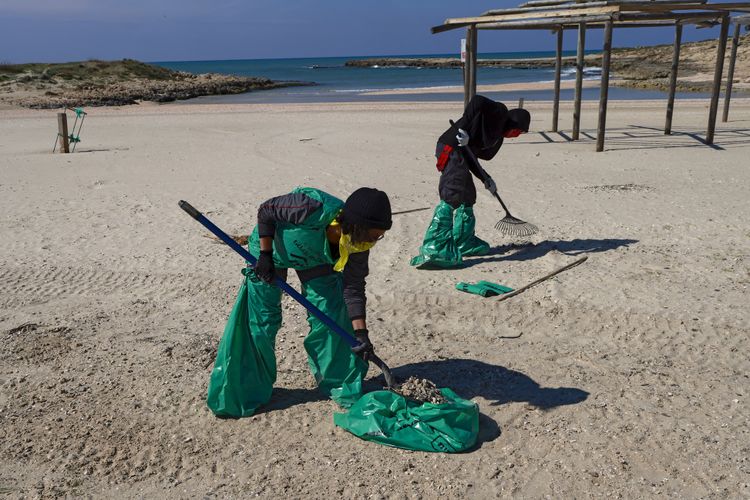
pixel 352 341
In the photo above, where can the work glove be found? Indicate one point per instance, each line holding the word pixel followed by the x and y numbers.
pixel 490 185
pixel 264 268
pixel 365 349
pixel 462 137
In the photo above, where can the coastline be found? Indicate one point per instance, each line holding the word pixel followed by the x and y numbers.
pixel 502 87
pixel 94 83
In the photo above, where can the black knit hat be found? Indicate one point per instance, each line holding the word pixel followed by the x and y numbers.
pixel 368 207
pixel 519 119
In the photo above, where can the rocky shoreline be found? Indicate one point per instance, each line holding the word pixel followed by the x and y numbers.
pixel 639 67
pixel 100 83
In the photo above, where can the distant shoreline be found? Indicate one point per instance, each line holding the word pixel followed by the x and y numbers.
pixel 640 67
pixel 116 83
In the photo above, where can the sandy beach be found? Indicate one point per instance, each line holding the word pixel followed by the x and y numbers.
pixel 624 377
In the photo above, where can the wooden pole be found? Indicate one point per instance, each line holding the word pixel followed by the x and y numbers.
pixel 467 63
pixel 673 77
pixel 520 103
pixel 543 278
pixel 473 55
pixel 62 131
pixel 579 81
pixel 730 73
pixel 604 90
pixel 720 50
pixel 558 68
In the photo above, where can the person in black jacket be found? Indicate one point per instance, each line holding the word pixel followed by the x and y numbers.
pixel 483 127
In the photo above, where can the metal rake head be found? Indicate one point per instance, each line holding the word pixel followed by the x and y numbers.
pixel 515 227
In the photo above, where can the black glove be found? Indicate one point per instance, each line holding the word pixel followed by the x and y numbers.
pixel 365 348
pixel 264 268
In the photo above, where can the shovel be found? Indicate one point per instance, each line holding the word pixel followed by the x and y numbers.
pixel 352 341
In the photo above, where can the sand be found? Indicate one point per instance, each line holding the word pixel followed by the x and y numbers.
pixel 626 376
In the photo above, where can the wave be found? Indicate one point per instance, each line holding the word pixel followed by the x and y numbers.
pixel 587 71
pixel 322 66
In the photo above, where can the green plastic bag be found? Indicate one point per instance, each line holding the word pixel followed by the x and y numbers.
pixel 464 225
pixel 337 370
pixel 393 420
pixel 483 288
pixel 439 248
pixel 245 367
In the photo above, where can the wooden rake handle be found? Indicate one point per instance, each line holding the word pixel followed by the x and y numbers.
pixel 544 278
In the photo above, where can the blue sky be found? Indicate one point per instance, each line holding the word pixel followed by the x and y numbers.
pixel 168 30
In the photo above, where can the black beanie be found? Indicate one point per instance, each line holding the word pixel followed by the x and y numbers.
pixel 368 207
pixel 518 118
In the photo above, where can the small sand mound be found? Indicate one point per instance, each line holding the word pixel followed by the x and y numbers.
pixel 422 390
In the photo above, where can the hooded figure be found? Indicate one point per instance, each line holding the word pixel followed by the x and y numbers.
pixel 450 236
pixel 327 242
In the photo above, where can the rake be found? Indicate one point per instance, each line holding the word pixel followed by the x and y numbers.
pixel 509 225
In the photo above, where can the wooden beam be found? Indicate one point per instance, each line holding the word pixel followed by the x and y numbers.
pixel 579 81
pixel 597 25
pixel 604 90
pixel 669 16
pixel 673 77
pixel 472 54
pixel 730 73
pixel 720 50
pixel 558 69
pixel 467 68
pixel 62 132
pixel 561 4
pixel 465 21
pixel 552 24
pixel 655 7
pixel 587 5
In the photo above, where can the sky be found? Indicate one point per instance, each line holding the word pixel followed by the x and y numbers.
pixel 193 30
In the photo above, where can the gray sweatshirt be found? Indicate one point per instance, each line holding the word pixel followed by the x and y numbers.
pixel 294 208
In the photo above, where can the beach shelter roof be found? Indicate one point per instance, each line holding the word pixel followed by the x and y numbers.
pixel 558 15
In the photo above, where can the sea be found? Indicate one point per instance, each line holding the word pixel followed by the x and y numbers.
pixel 336 82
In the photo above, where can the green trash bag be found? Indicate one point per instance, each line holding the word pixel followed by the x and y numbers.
pixel 464 224
pixel 245 367
pixel 393 420
pixel 439 248
pixel 483 288
pixel 337 370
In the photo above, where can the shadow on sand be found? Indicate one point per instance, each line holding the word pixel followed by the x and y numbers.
pixel 497 384
pixel 516 252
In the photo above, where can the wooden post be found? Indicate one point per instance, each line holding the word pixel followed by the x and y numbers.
pixel 558 69
pixel 730 73
pixel 467 62
pixel 579 81
pixel 604 90
pixel 520 103
pixel 472 54
pixel 62 131
pixel 673 77
pixel 720 50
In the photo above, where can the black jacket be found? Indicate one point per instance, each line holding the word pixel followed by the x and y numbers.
pixel 484 120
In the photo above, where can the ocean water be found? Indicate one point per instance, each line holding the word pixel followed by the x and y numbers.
pixel 335 82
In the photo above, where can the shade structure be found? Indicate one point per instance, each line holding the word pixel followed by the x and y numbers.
pixel 560 15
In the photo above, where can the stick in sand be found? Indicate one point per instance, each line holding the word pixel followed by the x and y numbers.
pixel 544 278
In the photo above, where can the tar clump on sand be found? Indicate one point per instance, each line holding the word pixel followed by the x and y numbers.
pixel 421 390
